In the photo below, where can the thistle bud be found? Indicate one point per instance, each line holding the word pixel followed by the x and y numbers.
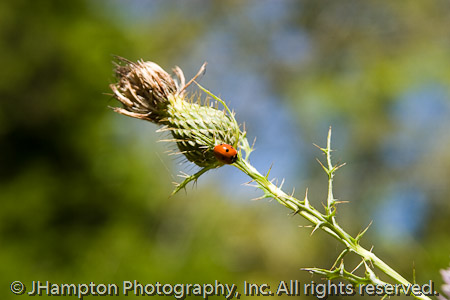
pixel 149 93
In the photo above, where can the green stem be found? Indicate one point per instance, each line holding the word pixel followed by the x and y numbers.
pixel 319 220
pixel 330 173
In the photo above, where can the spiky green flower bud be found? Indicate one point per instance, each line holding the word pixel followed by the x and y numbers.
pixel 198 129
pixel 149 93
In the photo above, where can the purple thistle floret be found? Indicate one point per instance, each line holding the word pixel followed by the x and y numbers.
pixel 446 286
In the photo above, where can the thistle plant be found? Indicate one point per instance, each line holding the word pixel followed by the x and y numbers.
pixel 149 93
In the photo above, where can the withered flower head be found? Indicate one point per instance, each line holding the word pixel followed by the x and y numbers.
pixel 144 89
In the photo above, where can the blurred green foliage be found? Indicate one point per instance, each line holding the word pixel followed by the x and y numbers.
pixel 84 192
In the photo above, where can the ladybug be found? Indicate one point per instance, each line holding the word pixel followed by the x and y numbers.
pixel 225 153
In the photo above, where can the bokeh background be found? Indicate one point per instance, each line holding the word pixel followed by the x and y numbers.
pixel 84 191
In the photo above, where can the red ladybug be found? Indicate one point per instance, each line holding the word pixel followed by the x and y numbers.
pixel 225 153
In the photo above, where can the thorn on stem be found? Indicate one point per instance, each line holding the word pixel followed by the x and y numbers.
pixel 268 172
pixel 315 228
